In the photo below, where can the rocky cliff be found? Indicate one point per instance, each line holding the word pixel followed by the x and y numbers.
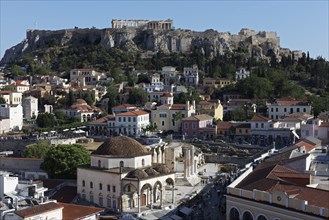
pixel 210 42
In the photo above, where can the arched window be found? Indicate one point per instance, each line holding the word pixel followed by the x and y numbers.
pixel 247 216
pixel 234 214
pixel 128 188
pixel 99 163
pixel 100 186
pixel 121 163
pixel 109 204
pixel 83 183
pixel 143 162
pixel 91 185
pixel 91 197
pixel 100 198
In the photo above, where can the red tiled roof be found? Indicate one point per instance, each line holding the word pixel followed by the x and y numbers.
pixel 224 125
pixel 66 194
pixel 308 146
pixel 258 117
pixel 167 94
pixel 72 211
pixel 123 106
pixel 290 102
pixel 324 124
pixel 39 209
pixel 178 107
pixel 104 119
pixel 133 113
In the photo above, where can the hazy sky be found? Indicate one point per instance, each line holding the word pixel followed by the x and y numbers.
pixel 301 25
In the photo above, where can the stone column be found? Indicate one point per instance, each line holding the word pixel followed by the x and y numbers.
pixel 173 194
pixel 161 197
pixel 139 202
pixel 151 201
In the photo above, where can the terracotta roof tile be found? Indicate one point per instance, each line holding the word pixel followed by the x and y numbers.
pixel 133 113
pixel 39 209
pixel 258 117
pixel 72 211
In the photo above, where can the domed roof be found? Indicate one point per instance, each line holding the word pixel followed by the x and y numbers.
pixel 163 169
pixel 139 174
pixel 151 172
pixel 121 146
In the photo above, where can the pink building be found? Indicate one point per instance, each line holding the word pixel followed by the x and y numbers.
pixel 198 126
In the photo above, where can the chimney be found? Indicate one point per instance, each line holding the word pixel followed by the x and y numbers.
pixel 187 107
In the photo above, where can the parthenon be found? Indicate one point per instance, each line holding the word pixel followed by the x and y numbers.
pixel 143 24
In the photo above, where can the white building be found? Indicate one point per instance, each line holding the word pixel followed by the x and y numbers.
pixel 316 128
pixel 170 75
pixel 131 122
pixel 14 113
pixel 154 85
pixel 121 177
pixel 241 74
pixel 287 106
pixel 83 77
pixel 82 111
pixel 30 107
pixel 20 86
pixel 11 97
pixel 191 75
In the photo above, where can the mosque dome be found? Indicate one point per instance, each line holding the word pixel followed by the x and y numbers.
pixel 163 169
pixel 151 172
pixel 121 146
pixel 139 174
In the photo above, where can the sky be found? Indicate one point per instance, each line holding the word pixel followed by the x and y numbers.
pixel 301 25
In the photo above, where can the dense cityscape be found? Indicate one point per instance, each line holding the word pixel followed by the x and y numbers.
pixel 144 120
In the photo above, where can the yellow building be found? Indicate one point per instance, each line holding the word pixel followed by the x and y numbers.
pixel 168 116
pixel 212 107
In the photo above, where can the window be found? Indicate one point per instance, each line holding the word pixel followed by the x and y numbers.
pixel 143 162
pixel 173 122
pixel 186 125
pixel 276 109
pixel 114 204
pixel 91 197
pixel 128 188
pixel 304 110
pixel 194 125
pixel 162 123
pixel 256 125
pixel 297 109
pixel 121 163
pixel 262 125
pixel 271 109
pixel 285 109
pixel 315 132
pixel 109 201
pixel 91 185
pixel 108 187
pixel 100 186
pixel 124 119
pixel 113 189
pixel 100 200
pixel 119 119
pixel 83 183
pixel 99 164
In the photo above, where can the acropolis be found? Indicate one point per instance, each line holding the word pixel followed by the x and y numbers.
pixel 143 24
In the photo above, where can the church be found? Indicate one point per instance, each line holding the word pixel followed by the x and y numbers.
pixel 124 176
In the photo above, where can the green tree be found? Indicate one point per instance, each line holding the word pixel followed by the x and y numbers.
pixel 46 120
pixel 137 96
pixel 118 75
pixel 17 70
pixel 2 100
pixel 61 162
pixel 38 150
pixel 112 94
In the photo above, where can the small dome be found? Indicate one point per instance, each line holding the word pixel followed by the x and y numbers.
pixel 139 174
pixel 121 146
pixel 163 169
pixel 151 172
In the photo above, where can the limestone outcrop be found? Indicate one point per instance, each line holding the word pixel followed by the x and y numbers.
pixel 210 42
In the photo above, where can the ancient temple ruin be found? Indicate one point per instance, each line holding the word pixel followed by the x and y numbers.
pixel 143 24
